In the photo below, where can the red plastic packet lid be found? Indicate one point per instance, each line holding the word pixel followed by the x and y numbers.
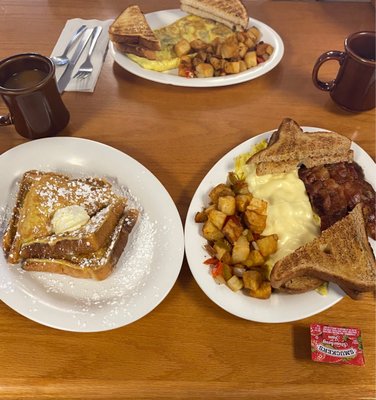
pixel 336 345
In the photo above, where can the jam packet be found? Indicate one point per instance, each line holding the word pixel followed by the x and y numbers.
pixel 336 345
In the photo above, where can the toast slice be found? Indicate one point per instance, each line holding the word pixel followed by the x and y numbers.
pixel 301 284
pixel 231 13
pixel 97 265
pixel 131 28
pixel 341 255
pixel 40 196
pixel 289 147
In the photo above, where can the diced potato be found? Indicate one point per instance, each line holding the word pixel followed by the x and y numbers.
pixel 254 31
pixel 251 59
pixel 255 259
pixel 211 232
pixel 242 50
pixel 232 229
pixel 227 205
pixel 252 279
pixel 232 67
pixel 240 251
pixel 198 44
pixel 242 201
pixel 220 190
pixel 263 292
pixel 229 50
pixel 256 222
pixel 217 217
pixel 215 62
pixel 240 187
pixel 267 245
pixel 221 247
pixel 235 283
pixel 243 66
pixel 201 216
pixel 227 272
pixel 263 48
pixel 182 47
pixel 258 205
pixel 250 43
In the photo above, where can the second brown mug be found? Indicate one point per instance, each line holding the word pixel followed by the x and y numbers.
pixel 354 87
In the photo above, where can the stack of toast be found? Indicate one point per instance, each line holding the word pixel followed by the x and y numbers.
pixel 342 253
pixel 86 247
pixel 131 33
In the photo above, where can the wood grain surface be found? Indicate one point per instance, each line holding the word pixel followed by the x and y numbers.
pixel 189 348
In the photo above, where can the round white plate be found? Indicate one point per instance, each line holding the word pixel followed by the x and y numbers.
pixel 280 307
pixel 159 19
pixel 146 271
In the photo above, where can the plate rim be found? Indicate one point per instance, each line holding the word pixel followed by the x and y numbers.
pixel 189 224
pixel 174 80
pixel 17 303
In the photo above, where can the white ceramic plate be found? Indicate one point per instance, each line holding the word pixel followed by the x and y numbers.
pixel 280 307
pixel 147 269
pixel 159 19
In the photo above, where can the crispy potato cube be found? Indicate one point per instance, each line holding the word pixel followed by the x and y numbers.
pixel 242 50
pixel 232 67
pixel 234 283
pixel 255 32
pixel 227 204
pixel 258 205
pixel 182 47
pixel 198 44
pixel 242 201
pixel 255 259
pixel 217 217
pixel 211 232
pixel 252 279
pixel 240 187
pixel 263 292
pixel 215 62
pixel 240 251
pixel 250 43
pixel 221 247
pixel 229 50
pixel 227 272
pixel 250 59
pixel 201 216
pixel 243 66
pixel 204 70
pixel 267 245
pixel 261 49
pixel 220 190
pixel 232 229
pixel 256 222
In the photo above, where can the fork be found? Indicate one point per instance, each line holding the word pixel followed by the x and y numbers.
pixel 86 67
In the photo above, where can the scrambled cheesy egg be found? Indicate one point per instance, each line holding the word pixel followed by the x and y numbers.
pixel 190 28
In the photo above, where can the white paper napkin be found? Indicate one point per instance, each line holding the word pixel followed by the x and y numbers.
pixel 97 58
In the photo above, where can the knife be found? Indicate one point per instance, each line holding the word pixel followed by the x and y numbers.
pixel 65 78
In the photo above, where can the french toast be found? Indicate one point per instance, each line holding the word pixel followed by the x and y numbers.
pixel 41 195
pixel 64 225
pixel 97 265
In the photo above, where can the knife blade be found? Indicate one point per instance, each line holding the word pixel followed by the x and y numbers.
pixel 65 78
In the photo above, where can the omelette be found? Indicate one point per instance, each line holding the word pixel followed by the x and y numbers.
pixel 190 28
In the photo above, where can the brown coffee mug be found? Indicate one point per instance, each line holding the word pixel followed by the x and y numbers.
pixel 354 87
pixel 28 88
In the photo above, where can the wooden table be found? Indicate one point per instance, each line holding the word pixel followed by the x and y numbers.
pixel 188 347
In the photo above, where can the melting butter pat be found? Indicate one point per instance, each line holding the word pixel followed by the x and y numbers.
pixel 69 218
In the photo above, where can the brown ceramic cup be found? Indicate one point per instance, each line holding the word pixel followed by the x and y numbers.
pixel 28 88
pixel 354 87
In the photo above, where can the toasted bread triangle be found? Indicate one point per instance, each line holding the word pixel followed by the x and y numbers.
pixel 231 13
pixel 341 255
pixel 131 27
pixel 289 147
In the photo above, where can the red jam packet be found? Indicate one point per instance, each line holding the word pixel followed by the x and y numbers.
pixel 336 345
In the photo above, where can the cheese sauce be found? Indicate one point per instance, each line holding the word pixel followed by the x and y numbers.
pixel 290 214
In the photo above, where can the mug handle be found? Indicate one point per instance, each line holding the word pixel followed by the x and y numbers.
pixel 329 55
pixel 6 120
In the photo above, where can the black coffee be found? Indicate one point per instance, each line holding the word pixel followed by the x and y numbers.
pixel 24 79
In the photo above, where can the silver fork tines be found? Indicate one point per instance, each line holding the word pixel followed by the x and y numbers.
pixel 86 67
